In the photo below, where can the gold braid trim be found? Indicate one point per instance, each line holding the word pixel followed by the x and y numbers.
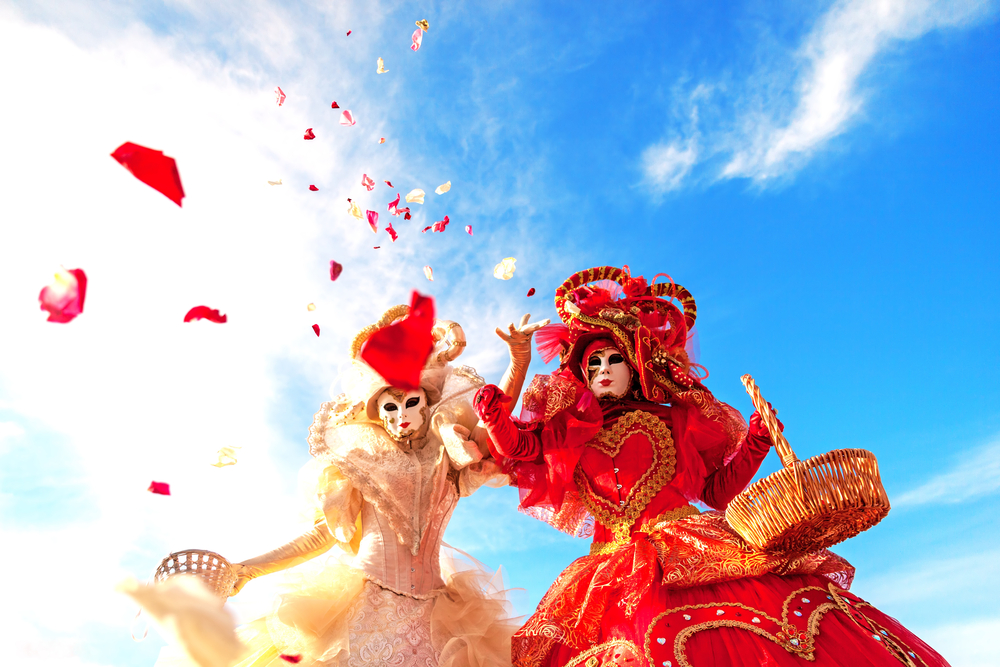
pixel 589 658
pixel 602 548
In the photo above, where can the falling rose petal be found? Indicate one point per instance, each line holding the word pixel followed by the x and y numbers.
pixel 424 230
pixel 346 118
pixel 381 67
pixel 389 183
pixel 335 269
pixel 505 269
pixel 316 330
pixel 429 273
pixel 443 188
pixel 417 37
pixel 401 211
pixel 279 95
pixel 440 225
pixel 422 23
pixel 468 229
pixel 205 313
pixel 291 658
pixel 313 188
pixel 354 209
pixel 394 203
pixel 399 351
pixel 367 182
pixel 335 105
pixel 160 488
pixel 407 216
pixel 382 140
pixel 226 456
pixel 349 33
pixel 392 232
pixel 152 168
pixel 415 196
pixel 63 299
pixel 309 136
pixel 531 292
pixel 376 247
pixel 373 220
pixel 277 182
pixel 311 307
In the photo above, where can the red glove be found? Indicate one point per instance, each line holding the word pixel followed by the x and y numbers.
pixel 509 441
pixel 758 429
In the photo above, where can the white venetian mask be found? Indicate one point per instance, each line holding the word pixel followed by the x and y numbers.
pixel 403 413
pixel 608 373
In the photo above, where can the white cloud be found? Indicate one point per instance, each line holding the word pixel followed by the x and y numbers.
pixel 666 165
pixel 975 475
pixel 970 643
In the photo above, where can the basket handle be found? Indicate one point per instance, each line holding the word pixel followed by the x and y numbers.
pixel 788 458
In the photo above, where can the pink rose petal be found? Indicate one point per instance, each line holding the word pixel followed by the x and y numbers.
pixel 468 229
pixel 392 232
pixel 346 118
pixel 373 220
pixel 63 299
pixel 367 182
pixel 394 203
pixel 417 37
pixel 279 95
pixel 335 269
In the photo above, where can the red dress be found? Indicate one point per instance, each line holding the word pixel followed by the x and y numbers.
pixel 666 585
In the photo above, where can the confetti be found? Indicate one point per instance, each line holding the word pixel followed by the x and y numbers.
pixel 394 203
pixel 531 292
pixel 429 272
pixel 309 136
pixel 505 269
pixel 316 330
pixel 335 269
pixel 152 168
pixel 367 182
pixel 381 67
pixel 392 232
pixel 63 299
pixel 354 209
pixel 388 183
pixel 417 38
pixel 440 225
pixel 422 23
pixel 279 95
pixel 291 658
pixel 443 188
pixel 399 351
pixel 373 220
pixel 415 197
pixel 347 118
pixel 159 488
pixel 277 182
pixel 313 188
pixel 335 105
pixel 382 140
pixel 185 609
pixel 226 456
pixel 204 313
pixel 468 229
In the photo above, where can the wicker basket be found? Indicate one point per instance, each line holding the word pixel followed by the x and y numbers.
pixel 808 505
pixel 214 570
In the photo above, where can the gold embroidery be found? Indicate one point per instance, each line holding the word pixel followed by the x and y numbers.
pixel 620 518
pixel 601 548
pixel 589 657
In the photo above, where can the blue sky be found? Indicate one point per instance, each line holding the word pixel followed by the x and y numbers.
pixel 822 176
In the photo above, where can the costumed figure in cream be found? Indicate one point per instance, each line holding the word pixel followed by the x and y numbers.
pixel 389 467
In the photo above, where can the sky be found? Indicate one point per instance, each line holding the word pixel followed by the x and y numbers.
pixel 822 176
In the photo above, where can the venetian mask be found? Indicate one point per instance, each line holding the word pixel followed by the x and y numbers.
pixel 403 413
pixel 608 374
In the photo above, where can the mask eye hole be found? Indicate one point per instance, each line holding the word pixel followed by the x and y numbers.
pixel 594 361
pixel 616 359
pixel 413 402
pixel 390 407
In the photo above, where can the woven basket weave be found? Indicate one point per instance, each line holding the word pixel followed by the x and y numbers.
pixel 808 505
pixel 213 569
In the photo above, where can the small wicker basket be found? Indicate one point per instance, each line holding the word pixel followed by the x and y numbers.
pixel 808 505
pixel 217 572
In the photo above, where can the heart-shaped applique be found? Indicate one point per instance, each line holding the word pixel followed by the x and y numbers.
pixel 661 641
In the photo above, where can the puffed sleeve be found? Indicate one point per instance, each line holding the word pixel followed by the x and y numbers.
pixel 335 499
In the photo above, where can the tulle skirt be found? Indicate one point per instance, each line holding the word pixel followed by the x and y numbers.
pixel 691 593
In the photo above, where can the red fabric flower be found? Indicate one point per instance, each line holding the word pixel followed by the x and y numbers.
pixel 335 269
pixel 205 313
pixel 399 351
pixel 63 299
pixel 335 105
pixel 591 299
pixel 392 232
pixel 373 220
pixel 531 292
pixel 316 330
pixel 284 656
pixel 313 188
pixel 152 168
pixel 309 136
pixel 161 488
pixel 634 287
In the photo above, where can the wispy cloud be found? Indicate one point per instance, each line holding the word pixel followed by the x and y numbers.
pixel 976 475
pixel 783 115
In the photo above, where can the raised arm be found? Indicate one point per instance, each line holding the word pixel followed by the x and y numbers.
pixel 507 440
pixel 728 481
pixel 518 341
pixel 305 547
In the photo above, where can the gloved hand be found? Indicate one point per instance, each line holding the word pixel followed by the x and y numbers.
pixel 758 429
pixel 518 341
pixel 509 441
pixel 305 547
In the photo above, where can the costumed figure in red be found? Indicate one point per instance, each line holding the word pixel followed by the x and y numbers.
pixel 617 445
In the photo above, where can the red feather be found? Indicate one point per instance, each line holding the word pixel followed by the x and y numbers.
pixel 550 340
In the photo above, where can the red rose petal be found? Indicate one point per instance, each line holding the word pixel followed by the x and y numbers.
pixel 424 230
pixel 399 351
pixel 204 313
pixel 373 220
pixel 389 184
pixel 152 168
pixel 393 204
pixel 335 105
pixel 63 299
pixel 407 216
pixel 440 225
pixel 308 136
pixel 531 292
pixel 335 269
pixel 161 488
pixel 313 188
pixel 284 656
pixel 468 229
pixel 316 329
pixel 392 232
pixel 348 33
